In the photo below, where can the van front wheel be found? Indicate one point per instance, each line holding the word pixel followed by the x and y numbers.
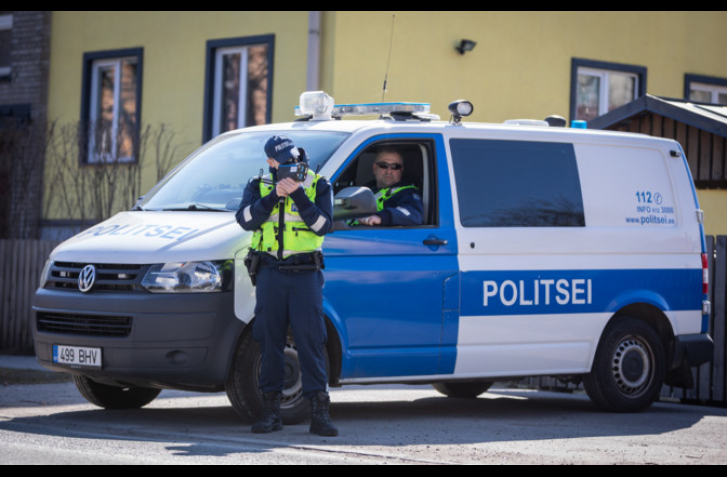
pixel 242 384
pixel 114 397
pixel 629 368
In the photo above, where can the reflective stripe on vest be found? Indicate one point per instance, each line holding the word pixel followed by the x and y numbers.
pixel 296 236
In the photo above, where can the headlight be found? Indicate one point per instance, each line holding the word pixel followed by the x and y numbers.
pixel 187 277
pixel 45 272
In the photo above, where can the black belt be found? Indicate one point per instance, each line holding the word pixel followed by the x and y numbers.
pixel 298 262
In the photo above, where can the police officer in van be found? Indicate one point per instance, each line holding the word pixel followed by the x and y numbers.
pixel 398 201
pixel 290 217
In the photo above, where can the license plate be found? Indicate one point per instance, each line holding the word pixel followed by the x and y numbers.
pixel 77 356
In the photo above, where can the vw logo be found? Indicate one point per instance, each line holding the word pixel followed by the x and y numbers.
pixel 86 278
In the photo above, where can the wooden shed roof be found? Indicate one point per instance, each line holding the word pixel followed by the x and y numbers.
pixel 707 117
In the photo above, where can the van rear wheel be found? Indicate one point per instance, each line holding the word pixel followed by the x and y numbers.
pixel 629 368
pixel 243 390
pixel 468 390
pixel 114 397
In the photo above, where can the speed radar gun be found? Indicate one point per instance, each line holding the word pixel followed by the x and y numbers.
pixel 296 168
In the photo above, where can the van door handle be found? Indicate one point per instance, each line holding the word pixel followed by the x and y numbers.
pixel 435 241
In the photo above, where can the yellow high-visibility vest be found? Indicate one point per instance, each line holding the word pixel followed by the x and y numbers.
pixel 296 236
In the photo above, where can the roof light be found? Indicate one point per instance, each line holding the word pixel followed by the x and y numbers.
pixel 460 109
pixel 556 121
pixel 317 104
pixel 525 122
pixel 374 109
pixel 578 124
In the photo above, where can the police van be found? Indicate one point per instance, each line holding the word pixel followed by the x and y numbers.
pixel 544 250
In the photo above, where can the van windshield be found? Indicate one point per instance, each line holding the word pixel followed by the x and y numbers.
pixel 215 176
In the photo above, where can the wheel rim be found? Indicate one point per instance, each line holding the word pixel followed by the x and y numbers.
pixel 293 382
pixel 632 366
pixel 292 378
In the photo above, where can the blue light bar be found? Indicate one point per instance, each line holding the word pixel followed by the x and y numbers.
pixel 374 109
pixel 369 109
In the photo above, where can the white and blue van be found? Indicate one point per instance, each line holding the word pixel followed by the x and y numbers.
pixel 545 251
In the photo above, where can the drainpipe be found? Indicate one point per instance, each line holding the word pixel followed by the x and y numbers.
pixel 314 50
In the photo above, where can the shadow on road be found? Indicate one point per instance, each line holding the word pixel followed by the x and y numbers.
pixel 203 425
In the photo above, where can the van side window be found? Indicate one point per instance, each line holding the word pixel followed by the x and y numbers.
pixel 418 160
pixel 517 184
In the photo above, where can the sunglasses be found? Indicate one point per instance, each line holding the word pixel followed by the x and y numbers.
pixel 386 165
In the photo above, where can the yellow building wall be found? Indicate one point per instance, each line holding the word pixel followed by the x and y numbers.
pixel 174 45
pixel 174 58
pixel 520 68
pixel 521 65
pixel 714 205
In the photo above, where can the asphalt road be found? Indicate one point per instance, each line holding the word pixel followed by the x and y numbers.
pixel 52 424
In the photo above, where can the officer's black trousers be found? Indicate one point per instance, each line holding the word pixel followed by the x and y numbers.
pixel 294 298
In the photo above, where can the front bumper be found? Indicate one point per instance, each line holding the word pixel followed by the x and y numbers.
pixel 182 341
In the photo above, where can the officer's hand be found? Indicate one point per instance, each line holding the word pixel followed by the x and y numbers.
pixel 372 220
pixel 285 187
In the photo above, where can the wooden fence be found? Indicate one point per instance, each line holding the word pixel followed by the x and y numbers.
pixel 710 378
pixel 21 262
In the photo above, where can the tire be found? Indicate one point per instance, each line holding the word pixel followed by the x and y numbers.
pixel 468 390
pixel 114 397
pixel 629 368
pixel 243 390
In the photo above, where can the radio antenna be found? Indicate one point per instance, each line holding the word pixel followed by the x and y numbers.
pixel 391 44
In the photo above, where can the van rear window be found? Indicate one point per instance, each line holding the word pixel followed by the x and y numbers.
pixel 517 183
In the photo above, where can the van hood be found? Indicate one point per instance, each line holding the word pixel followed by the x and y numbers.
pixel 157 237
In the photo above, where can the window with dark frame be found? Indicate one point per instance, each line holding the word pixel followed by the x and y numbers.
pixel 705 89
pixel 238 84
pixel 598 87
pixel 111 105
pixel 419 166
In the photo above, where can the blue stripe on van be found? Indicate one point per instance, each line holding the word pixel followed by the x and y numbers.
pixel 578 291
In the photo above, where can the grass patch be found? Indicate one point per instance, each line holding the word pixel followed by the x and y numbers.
pixel 10 376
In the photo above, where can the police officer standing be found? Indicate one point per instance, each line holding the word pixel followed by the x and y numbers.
pixel 289 217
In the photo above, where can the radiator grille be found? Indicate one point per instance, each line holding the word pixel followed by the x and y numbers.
pixel 109 277
pixel 85 325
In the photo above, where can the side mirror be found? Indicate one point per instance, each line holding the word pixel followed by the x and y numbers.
pixel 353 202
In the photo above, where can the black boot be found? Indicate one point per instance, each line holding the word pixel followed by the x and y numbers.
pixel 321 419
pixel 270 420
